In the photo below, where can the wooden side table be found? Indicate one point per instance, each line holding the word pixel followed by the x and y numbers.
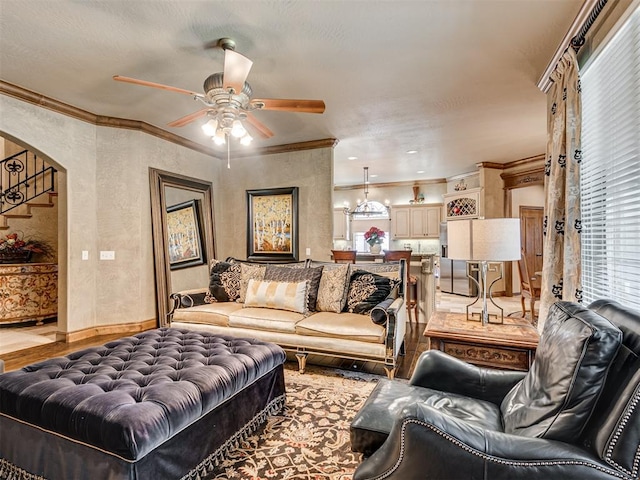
pixel 509 346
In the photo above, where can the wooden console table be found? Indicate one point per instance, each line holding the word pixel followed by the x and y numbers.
pixel 509 346
pixel 28 291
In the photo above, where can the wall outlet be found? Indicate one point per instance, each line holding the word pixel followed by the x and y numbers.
pixel 107 255
pixel 85 254
pixel 308 252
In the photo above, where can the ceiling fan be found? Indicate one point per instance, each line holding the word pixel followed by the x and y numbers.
pixel 227 99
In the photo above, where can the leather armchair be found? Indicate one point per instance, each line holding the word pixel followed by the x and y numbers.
pixel 574 415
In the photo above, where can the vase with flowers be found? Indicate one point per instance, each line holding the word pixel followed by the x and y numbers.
pixel 374 237
pixel 14 248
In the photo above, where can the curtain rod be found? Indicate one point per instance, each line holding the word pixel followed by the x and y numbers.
pixel 578 40
pixel 576 34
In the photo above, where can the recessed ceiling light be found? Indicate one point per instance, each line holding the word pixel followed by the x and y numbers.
pixel 411 152
pixel 352 158
pixel 420 171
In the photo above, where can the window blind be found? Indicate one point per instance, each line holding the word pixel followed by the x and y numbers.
pixel 610 172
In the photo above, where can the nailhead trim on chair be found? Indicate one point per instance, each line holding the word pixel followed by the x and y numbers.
pixel 633 403
pixel 484 456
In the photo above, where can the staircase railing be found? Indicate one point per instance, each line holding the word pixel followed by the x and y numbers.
pixel 23 177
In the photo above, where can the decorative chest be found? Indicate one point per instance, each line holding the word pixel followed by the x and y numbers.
pixel 28 291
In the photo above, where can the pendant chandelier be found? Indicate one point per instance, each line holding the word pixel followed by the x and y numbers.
pixel 368 209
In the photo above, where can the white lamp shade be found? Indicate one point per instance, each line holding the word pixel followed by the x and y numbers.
pixel 490 239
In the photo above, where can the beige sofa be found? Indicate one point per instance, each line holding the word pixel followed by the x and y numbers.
pixel 376 335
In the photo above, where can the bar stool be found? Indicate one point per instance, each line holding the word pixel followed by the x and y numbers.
pixel 411 296
pixel 344 256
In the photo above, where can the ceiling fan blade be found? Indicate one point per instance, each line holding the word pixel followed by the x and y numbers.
pixel 289 105
pixel 236 70
pixel 144 83
pixel 259 127
pixel 181 122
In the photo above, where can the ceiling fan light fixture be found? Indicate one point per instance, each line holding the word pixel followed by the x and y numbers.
pixel 238 130
pixel 210 127
pixel 219 137
pixel 246 140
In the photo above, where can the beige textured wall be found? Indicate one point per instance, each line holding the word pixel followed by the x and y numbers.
pixel 309 170
pixel 106 207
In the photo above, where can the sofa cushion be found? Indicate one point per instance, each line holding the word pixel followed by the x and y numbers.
pixel 351 326
pixel 209 314
pixel 332 292
pixel 249 272
pixel 277 295
pixel 285 274
pixel 558 394
pixel 265 319
pixel 224 281
pixel 366 290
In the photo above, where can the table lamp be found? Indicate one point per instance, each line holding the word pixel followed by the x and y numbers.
pixel 487 242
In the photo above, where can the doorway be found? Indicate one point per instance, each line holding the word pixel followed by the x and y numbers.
pixel 531 241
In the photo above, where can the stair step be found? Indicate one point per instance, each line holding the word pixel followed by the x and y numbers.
pixel 43 205
pixel 17 215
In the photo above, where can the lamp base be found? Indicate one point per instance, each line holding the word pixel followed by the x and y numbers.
pixel 484 291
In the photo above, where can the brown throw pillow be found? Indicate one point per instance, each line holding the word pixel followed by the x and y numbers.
pixel 249 272
pixel 286 274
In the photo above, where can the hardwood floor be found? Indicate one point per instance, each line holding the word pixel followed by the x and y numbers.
pixel 21 358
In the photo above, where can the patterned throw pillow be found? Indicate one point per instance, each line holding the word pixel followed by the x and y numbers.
pixel 366 290
pixel 332 292
pixel 224 281
pixel 249 272
pixel 286 274
pixel 278 295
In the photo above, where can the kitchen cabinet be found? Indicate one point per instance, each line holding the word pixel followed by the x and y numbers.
pixel 463 204
pixel 416 221
pixel 400 222
pixel 340 225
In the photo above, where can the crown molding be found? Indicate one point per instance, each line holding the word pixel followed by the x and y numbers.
pixel 410 183
pixel 525 161
pixel 57 106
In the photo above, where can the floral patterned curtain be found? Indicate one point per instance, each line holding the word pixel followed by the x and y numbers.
pixel 562 221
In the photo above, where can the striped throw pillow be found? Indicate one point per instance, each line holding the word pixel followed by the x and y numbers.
pixel 290 296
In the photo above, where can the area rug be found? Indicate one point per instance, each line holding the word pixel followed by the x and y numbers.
pixel 310 438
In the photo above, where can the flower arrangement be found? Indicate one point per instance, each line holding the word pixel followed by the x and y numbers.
pixel 374 236
pixel 14 248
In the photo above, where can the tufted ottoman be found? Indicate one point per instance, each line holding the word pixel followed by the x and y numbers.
pixel 164 404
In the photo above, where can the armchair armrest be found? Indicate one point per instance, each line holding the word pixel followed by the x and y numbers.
pixel 428 444
pixel 187 298
pixel 439 371
pixel 392 317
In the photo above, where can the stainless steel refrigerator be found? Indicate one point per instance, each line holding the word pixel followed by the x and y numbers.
pixel 453 273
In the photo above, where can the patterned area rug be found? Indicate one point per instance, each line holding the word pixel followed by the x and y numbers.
pixel 310 438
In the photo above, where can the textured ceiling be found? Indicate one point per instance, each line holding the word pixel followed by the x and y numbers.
pixel 453 79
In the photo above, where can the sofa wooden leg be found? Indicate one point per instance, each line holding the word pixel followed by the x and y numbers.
pixel 302 361
pixel 391 371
